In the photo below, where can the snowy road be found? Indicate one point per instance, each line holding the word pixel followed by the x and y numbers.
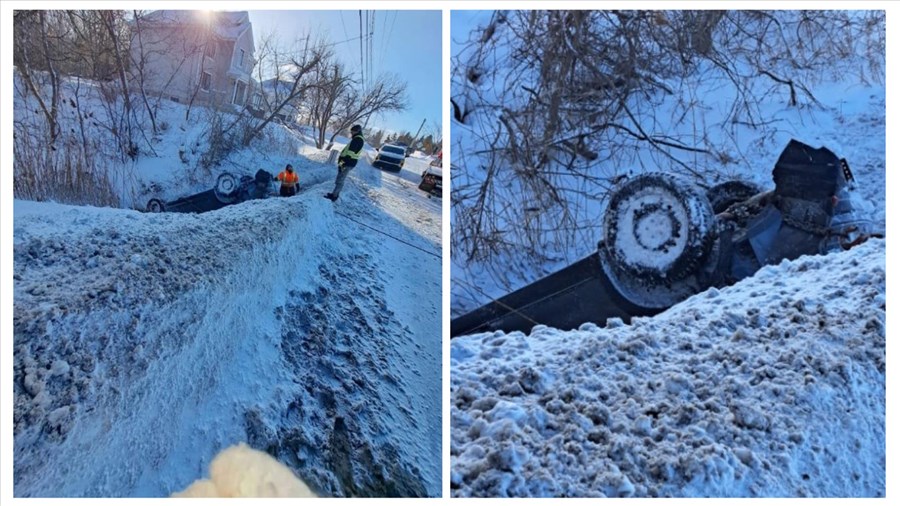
pixel 144 343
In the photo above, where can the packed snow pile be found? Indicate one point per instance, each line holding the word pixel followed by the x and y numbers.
pixel 772 387
pixel 147 343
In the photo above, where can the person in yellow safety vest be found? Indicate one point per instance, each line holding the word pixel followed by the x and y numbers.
pixel 289 181
pixel 347 160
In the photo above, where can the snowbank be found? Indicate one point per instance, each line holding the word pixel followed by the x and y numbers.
pixel 145 343
pixel 771 387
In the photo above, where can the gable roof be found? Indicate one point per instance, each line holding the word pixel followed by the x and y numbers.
pixel 226 25
pixel 276 85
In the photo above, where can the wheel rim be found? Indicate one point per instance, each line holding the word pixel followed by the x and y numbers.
pixel 657 226
pixel 226 184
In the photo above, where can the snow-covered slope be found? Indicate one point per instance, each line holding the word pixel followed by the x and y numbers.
pixel 146 343
pixel 172 162
pixel 772 387
pixel 847 116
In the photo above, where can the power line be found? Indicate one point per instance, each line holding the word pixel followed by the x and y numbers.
pixel 344 26
pixel 366 28
pixel 386 38
pixel 351 39
pixel 372 49
pixel 362 68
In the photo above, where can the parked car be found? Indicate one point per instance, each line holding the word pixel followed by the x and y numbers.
pixel 665 239
pixel 390 157
pixel 432 180
pixel 229 189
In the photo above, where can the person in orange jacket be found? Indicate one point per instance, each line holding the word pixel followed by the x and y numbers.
pixel 290 183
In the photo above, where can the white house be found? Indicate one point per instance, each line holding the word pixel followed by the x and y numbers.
pixel 198 56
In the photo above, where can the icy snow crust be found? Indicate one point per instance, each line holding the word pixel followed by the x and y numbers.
pixel 146 343
pixel 771 387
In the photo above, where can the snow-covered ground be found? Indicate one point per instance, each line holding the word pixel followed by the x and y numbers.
pixel 771 387
pixel 146 343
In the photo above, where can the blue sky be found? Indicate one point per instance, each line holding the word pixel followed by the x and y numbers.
pixel 405 43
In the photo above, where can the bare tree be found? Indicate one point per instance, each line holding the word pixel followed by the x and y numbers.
pixel 90 51
pixel 112 24
pixel 334 83
pixel 138 66
pixel 435 133
pixel 289 74
pixel 385 94
pixel 55 151
pixel 57 52
pixel 202 42
pixel 32 53
pixel 158 56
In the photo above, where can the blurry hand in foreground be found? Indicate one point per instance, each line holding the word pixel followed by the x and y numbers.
pixel 241 471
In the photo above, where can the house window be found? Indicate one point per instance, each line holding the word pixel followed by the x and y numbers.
pixel 210 50
pixel 257 100
pixel 239 88
pixel 241 64
pixel 205 80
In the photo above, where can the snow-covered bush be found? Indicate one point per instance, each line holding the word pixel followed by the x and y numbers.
pixel 67 172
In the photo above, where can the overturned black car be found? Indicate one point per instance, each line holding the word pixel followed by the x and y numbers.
pixel 664 239
pixel 229 189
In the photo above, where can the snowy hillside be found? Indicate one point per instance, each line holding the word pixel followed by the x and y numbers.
pixel 146 343
pixel 847 116
pixel 172 163
pixel 771 387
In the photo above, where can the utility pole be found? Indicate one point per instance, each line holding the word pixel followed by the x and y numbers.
pixel 416 137
pixel 362 66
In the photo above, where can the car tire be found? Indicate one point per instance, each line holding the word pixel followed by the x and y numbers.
pixel 156 206
pixel 724 195
pixel 226 188
pixel 658 228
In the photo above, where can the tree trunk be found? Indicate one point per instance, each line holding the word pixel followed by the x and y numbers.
pixel 703 27
pixel 123 82
pixel 140 65
pixel 52 113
